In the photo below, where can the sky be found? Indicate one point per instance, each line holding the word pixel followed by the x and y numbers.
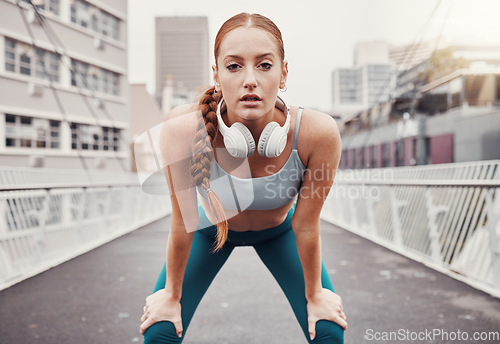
pixel 319 36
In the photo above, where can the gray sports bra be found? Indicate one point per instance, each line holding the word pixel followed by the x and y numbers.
pixel 262 193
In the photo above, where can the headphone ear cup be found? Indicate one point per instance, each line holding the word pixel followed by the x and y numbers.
pixel 239 141
pixel 269 143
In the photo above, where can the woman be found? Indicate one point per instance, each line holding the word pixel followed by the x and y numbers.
pixel 287 180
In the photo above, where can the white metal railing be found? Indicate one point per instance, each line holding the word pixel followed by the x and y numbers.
pixel 446 216
pixel 50 216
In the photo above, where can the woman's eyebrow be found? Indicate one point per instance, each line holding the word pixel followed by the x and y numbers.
pixel 258 57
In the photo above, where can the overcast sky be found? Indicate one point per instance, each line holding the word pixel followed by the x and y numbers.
pixel 319 36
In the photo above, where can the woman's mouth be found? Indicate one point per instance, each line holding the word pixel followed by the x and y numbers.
pixel 250 99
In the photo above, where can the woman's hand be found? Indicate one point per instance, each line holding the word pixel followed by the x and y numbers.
pixel 160 306
pixel 326 305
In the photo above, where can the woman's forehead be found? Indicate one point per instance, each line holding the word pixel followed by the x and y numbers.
pixel 248 41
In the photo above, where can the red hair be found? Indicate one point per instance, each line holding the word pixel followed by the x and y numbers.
pixel 249 20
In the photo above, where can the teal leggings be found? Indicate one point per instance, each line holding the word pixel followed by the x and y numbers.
pixel 278 250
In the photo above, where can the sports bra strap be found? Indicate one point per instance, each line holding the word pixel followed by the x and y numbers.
pixel 297 125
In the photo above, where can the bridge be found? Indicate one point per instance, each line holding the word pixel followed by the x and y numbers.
pixel 391 255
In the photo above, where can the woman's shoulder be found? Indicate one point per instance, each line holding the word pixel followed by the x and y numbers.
pixel 184 111
pixel 179 128
pixel 181 120
pixel 317 128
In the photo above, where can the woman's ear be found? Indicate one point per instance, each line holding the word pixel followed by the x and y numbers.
pixel 284 74
pixel 216 78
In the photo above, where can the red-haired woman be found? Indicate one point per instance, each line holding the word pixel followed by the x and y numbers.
pixel 274 207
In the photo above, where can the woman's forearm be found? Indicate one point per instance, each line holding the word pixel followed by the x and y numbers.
pixel 309 250
pixel 178 249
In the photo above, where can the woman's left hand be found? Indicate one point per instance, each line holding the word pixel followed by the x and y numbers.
pixel 327 306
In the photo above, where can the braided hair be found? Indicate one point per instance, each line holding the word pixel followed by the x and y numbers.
pixel 202 159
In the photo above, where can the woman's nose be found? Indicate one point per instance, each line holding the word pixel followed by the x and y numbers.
pixel 250 80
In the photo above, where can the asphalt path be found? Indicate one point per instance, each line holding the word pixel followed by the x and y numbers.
pixel 98 298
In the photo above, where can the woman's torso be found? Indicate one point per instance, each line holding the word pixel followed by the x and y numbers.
pixel 258 166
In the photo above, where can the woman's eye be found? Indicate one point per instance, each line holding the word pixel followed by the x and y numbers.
pixel 232 67
pixel 266 65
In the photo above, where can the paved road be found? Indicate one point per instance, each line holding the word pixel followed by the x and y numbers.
pixel 98 297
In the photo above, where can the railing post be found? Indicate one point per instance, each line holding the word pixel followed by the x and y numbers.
pixel 370 203
pixel 396 222
pixel 5 261
pixel 79 221
pixel 39 237
pixel 107 207
pixel 493 211
pixel 432 213
pixel 354 215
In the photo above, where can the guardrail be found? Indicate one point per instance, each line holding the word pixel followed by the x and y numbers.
pixel 50 216
pixel 445 216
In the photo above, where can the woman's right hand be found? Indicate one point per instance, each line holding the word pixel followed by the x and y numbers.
pixel 160 306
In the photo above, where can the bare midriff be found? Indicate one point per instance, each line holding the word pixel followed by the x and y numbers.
pixel 252 220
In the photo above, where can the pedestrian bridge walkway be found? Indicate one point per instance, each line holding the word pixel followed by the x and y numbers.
pixel 98 297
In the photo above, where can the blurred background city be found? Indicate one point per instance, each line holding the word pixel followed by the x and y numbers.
pixel 413 85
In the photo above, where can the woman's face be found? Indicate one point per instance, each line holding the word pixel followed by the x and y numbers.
pixel 249 72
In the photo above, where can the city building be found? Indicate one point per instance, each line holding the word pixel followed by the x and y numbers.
pixel 182 54
pixel 358 88
pixel 63 75
pixel 370 81
pixel 456 118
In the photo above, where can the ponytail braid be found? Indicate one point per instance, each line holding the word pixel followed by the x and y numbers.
pixel 202 159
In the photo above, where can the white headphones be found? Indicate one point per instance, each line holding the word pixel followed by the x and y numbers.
pixel 240 143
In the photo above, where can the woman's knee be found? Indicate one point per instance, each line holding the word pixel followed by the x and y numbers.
pixel 162 332
pixel 328 332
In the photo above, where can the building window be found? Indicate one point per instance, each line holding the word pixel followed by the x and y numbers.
pixel 105 138
pixel 47 65
pixel 95 22
pixel 400 147
pixel 373 156
pixel 54 6
pixel 105 24
pixel 10 55
pixel 49 6
pixel 361 153
pixel 94 78
pixel 25 64
pixel 116 84
pixel 55 130
pixel 91 137
pixel 79 73
pixel 18 59
pixel 115 28
pixel 105 81
pixel 29 132
pixel 89 16
pixel 385 154
pixel 116 139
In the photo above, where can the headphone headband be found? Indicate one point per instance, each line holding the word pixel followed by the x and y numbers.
pixel 240 143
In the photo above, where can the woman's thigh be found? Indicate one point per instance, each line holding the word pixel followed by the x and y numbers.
pixel 201 268
pixel 281 257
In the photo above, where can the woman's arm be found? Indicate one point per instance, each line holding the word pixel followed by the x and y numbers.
pixel 165 303
pixel 176 152
pixel 323 141
pixel 178 249
pixel 176 147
